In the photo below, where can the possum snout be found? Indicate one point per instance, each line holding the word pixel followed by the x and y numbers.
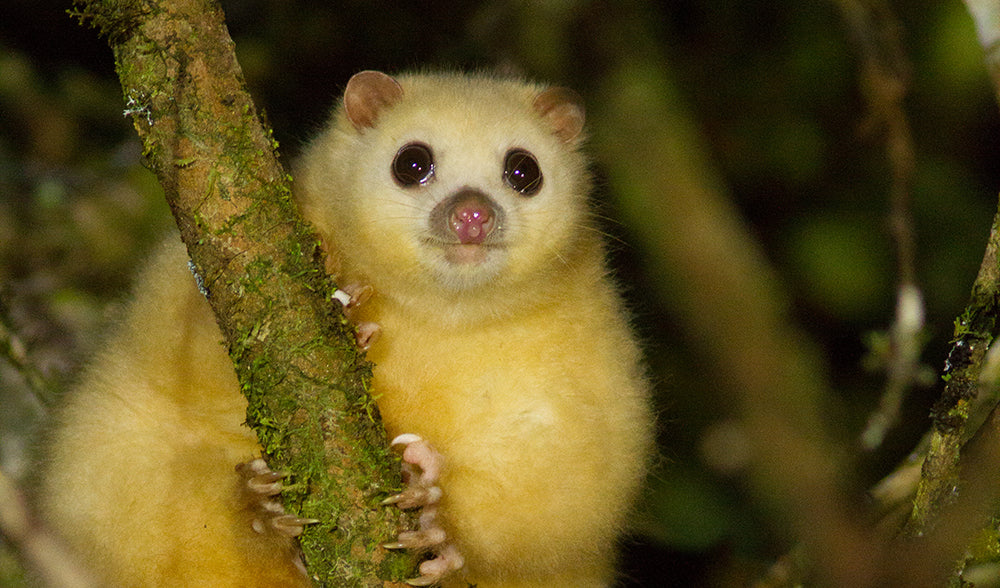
pixel 468 217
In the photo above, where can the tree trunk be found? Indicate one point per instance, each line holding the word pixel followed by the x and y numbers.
pixel 262 272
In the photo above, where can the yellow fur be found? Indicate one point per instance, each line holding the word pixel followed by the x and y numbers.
pixel 141 475
pixel 520 370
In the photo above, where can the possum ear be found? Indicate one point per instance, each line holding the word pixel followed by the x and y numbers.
pixel 562 109
pixel 367 93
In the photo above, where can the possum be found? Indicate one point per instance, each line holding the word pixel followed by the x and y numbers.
pixel 454 209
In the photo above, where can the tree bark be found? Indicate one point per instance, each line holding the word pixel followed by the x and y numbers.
pixel 261 270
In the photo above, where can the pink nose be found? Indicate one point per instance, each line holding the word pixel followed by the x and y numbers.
pixel 472 220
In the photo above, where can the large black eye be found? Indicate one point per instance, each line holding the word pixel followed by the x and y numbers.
pixel 521 172
pixel 413 165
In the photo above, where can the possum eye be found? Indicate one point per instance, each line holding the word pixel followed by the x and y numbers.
pixel 521 172
pixel 413 165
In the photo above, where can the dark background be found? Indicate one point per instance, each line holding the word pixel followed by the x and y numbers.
pixel 771 86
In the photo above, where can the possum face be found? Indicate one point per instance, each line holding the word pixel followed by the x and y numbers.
pixel 456 182
pixel 468 227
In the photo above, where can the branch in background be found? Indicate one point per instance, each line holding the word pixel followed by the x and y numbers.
pixel 963 407
pixel 958 487
pixel 736 311
pixel 956 544
pixel 260 266
pixel 946 525
pixel 958 523
pixel 40 550
pixel 13 350
pixel 885 79
pixel 730 302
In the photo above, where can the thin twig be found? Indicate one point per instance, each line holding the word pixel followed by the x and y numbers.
pixel 15 352
pixel 885 80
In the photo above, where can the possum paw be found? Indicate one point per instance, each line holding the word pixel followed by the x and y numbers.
pixel 351 297
pixel 365 334
pixel 421 470
pixel 432 571
pixel 261 485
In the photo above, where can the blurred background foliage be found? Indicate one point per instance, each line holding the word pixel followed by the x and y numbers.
pixel 771 89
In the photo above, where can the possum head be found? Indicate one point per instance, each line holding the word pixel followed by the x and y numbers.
pixel 448 181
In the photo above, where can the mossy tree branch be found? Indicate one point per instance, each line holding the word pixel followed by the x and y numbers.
pixel 261 269
pixel 961 401
pixel 966 401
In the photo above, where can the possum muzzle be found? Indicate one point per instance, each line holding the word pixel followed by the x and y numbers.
pixel 467 222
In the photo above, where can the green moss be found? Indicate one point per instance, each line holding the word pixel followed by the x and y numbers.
pixel 986 544
pixel 113 19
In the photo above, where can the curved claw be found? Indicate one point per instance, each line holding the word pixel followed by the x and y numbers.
pixel 414 496
pixel 291 525
pixel 422 581
pixel 405 439
pixel 268 484
pixel 423 539
pixel 261 479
